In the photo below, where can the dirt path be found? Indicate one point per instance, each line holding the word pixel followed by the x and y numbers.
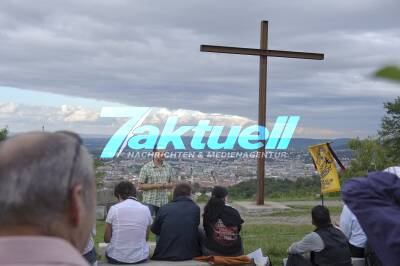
pixel 329 203
pixel 293 220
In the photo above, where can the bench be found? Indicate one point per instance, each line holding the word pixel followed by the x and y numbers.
pixel 358 261
pixel 354 261
pixel 164 263
pixel 102 247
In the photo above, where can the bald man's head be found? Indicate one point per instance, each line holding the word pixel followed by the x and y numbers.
pixel 39 174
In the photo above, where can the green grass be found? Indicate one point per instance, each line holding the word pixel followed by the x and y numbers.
pixel 99 232
pixel 273 239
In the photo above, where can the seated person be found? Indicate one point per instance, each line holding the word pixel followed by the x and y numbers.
pixel 127 227
pixel 177 224
pixel 90 251
pixel 222 225
pixel 375 201
pixel 47 199
pixel 354 233
pixel 327 244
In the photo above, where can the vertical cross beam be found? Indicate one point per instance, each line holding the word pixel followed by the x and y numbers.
pixel 263 52
pixel 262 106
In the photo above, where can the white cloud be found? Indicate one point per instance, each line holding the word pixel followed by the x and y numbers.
pixel 191 117
pixel 23 117
pixel 78 114
pixel 7 109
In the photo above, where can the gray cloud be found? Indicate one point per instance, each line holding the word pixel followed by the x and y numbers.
pixel 147 53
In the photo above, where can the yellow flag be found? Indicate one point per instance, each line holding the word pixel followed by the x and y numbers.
pixel 326 167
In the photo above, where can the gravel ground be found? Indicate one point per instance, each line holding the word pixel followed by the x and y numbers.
pixel 295 220
pixel 329 203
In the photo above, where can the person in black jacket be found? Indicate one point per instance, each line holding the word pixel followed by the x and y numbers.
pixel 177 225
pixel 222 225
pixel 327 244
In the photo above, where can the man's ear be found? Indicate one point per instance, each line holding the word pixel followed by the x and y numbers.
pixel 75 205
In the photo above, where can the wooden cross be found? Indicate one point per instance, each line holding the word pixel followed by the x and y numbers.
pixel 263 53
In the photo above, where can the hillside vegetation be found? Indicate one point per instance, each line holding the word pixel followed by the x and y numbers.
pixel 302 188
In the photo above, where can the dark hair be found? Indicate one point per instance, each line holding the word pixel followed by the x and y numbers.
pixel 124 190
pixel 182 190
pixel 320 216
pixel 215 205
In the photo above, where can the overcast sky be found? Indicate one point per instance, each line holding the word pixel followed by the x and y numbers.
pixel 146 53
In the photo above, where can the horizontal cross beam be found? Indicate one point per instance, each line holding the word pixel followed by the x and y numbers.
pixel 260 52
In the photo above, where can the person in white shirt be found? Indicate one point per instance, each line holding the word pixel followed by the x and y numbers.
pixel 127 227
pixel 351 228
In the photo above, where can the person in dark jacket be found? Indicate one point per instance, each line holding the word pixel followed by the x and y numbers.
pixel 327 244
pixel 375 201
pixel 222 225
pixel 177 225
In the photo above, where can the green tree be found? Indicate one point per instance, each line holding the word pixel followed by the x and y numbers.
pixel 3 134
pixel 369 155
pixel 302 187
pixel 99 174
pixel 390 129
pixel 97 163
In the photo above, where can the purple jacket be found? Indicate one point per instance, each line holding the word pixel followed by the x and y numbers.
pixel 375 200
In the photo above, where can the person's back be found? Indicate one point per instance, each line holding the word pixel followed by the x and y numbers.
pixel 336 250
pixel 327 245
pixel 222 225
pixel 129 220
pixel 176 225
pixel 222 237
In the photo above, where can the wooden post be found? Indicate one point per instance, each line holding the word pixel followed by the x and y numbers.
pixel 262 108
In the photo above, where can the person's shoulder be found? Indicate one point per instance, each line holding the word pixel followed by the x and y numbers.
pixel 196 205
pixel 193 204
pixel 122 205
pixel 148 165
pixel 230 209
pixel 340 232
pixel 117 205
pixel 175 205
pixel 141 206
pixel 233 214
pixel 347 213
pixel 167 206
pixel 312 235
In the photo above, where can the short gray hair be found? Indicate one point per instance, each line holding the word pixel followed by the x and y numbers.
pixel 37 171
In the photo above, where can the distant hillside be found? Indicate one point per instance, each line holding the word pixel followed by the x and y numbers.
pixel 96 144
pixel 278 188
pixel 303 143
